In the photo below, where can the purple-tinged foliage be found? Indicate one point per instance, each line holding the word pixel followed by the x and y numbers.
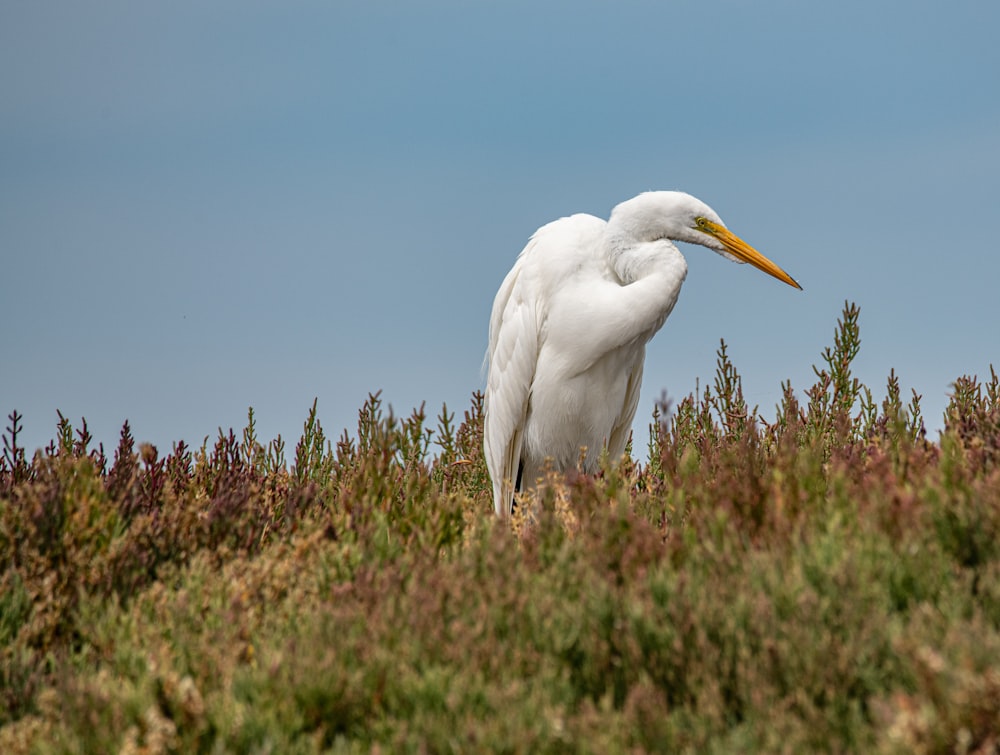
pixel 824 580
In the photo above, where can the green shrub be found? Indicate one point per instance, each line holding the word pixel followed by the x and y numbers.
pixel 828 580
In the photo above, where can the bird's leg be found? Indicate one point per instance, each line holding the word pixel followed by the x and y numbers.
pixel 517 485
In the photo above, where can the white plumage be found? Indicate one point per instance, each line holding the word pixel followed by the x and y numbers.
pixel 569 328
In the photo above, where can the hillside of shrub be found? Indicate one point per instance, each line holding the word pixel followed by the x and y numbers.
pixel 822 577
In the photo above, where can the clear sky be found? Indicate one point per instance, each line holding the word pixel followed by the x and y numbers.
pixel 210 205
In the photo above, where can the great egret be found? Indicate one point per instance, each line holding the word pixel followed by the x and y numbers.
pixel 569 328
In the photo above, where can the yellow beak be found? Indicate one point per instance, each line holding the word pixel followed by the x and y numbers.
pixel 742 251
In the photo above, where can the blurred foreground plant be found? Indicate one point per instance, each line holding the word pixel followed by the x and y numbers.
pixel 825 581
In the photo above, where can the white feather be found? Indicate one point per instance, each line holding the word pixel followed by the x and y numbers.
pixel 568 333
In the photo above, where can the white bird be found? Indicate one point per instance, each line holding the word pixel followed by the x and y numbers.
pixel 569 328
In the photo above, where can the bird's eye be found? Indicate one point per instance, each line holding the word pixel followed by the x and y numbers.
pixel 702 223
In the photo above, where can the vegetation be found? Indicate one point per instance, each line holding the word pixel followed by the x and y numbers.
pixel 826 580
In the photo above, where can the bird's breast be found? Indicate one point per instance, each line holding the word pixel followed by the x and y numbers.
pixel 568 411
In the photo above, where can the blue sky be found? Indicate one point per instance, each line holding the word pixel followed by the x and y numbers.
pixel 208 206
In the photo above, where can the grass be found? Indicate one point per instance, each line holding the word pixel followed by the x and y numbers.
pixel 825 580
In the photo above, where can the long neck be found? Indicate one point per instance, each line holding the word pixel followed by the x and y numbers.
pixel 650 274
pixel 633 259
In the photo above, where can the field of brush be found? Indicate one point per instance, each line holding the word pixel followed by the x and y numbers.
pixel 824 579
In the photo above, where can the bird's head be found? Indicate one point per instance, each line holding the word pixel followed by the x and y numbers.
pixel 677 216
